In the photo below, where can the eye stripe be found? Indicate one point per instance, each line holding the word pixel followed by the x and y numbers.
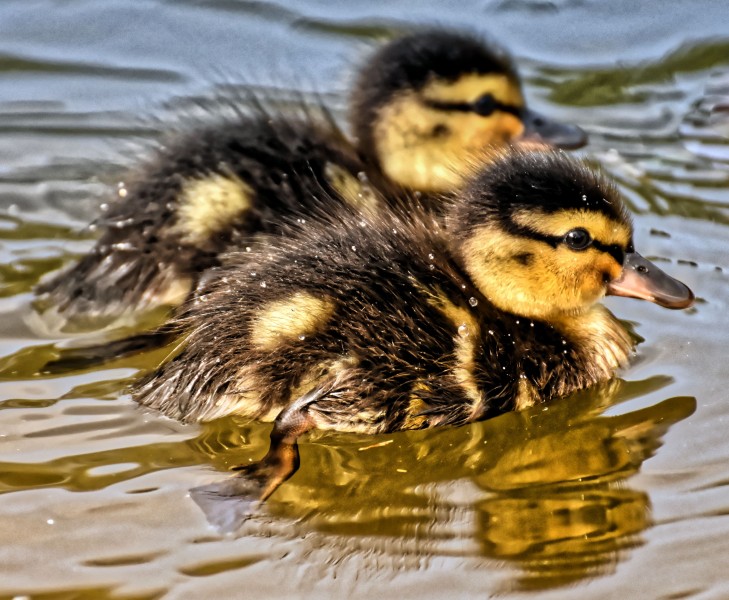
pixel 471 107
pixel 614 250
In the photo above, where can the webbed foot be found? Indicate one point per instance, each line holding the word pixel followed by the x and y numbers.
pixel 230 503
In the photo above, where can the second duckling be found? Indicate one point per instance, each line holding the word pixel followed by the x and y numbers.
pixel 378 324
pixel 422 106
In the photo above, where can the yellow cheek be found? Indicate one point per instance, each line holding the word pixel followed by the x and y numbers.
pixel 470 134
pixel 584 273
pixel 499 129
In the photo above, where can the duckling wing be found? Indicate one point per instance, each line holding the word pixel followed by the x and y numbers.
pixel 209 192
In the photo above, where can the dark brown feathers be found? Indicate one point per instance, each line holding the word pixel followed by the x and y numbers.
pixel 380 312
pixel 145 251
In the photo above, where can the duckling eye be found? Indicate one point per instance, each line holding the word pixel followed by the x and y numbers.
pixel 577 239
pixel 485 105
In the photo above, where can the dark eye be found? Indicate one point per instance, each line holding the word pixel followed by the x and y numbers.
pixel 485 105
pixel 577 239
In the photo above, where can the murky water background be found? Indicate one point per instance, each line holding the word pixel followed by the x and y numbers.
pixel 621 492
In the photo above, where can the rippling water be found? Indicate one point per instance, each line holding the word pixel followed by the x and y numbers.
pixel 617 493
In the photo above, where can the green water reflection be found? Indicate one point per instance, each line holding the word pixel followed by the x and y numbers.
pixel 625 84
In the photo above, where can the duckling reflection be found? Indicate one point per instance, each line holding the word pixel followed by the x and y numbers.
pixel 546 491
pixel 551 494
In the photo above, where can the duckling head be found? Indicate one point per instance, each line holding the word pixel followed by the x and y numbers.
pixel 545 237
pixel 426 103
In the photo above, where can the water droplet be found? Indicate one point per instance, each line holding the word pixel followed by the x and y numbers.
pixel 123 246
pixel 362 176
pixel 50 521
pixel 354 248
pixel 473 302
pixel 517 321
pixel 431 256
pixel 431 267
pixel 122 192
pixel 564 342
pixel 491 332
pixel 104 207
pixel 463 330
pixel 263 284
pixel 248 248
pixel 302 337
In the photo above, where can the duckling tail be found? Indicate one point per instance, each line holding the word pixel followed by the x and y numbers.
pixel 87 357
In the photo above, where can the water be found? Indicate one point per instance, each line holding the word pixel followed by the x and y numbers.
pixel 616 493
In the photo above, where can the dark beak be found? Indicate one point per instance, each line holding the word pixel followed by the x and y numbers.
pixel 538 128
pixel 643 280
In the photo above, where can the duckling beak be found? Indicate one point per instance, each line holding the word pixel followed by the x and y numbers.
pixel 643 280
pixel 538 128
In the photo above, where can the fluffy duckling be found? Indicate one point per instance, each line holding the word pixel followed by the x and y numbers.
pixel 211 190
pixel 422 106
pixel 379 324
pixel 427 104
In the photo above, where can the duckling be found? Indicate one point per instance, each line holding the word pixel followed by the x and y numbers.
pixel 421 106
pixel 426 104
pixel 211 190
pixel 376 324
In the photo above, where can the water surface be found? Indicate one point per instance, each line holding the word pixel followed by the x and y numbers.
pixel 620 492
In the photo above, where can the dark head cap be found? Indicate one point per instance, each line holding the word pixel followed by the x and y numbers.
pixel 537 181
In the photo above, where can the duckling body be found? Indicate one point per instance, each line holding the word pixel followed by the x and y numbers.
pixel 402 340
pixel 388 323
pixel 421 108
pixel 211 190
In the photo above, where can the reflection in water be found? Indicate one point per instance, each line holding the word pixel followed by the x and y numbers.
pixel 626 84
pixel 544 489
pixel 553 497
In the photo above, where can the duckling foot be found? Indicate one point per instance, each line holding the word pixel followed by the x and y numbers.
pixel 230 503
